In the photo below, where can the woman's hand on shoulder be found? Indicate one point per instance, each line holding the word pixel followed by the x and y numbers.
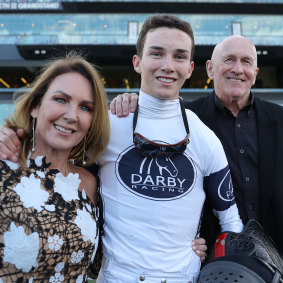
pixel 200 248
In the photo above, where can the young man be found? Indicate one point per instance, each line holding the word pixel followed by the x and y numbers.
pixel 152 205
pixel 159 167
pixel 250 129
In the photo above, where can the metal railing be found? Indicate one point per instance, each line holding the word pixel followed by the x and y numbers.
pixel 272 95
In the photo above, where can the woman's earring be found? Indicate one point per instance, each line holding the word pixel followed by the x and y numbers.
pixel 84 162
pixel 33 126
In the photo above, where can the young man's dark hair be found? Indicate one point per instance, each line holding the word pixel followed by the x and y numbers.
pixel 163 20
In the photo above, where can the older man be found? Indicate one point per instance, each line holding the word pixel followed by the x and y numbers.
pixel 251 131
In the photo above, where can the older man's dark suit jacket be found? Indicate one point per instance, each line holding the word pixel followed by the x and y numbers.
pixel 270 142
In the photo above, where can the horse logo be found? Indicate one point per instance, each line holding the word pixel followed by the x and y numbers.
pixel 227 195
pixel 159 178
pixel 163 163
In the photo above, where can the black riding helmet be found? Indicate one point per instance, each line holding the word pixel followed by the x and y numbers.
pixel 247 257
pixel 240 269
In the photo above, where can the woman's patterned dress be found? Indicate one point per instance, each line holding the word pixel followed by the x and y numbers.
pixel 49 229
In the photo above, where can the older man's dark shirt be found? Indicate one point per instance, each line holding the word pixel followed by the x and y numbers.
pixel 239 139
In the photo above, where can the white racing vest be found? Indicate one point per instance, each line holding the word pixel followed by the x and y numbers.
pixel 152 207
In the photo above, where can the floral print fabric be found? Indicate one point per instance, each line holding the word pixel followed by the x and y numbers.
pixel 49 229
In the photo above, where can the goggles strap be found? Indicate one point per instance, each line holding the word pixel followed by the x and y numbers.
pixel 135 118
pixel 185 120
pixel 184 116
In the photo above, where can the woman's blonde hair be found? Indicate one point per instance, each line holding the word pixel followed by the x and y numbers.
pixel 27 99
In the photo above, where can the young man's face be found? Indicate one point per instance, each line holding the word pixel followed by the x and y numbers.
pixel 165 63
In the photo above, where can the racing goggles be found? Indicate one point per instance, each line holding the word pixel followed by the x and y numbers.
pixel 153 149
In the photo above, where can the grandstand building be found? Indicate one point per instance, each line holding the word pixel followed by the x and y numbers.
pixel 33 31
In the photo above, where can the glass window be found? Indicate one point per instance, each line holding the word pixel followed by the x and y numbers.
pixel 22 2
pixel 119 28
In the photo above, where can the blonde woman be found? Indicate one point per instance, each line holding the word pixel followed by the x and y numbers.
pixel 48 205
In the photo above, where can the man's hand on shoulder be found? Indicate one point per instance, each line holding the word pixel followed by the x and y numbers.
pixel 123 103
pixel 10 143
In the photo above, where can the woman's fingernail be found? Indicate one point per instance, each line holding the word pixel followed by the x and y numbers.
pixel 14 158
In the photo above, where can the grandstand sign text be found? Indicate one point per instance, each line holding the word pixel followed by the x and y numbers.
pixel 30 6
